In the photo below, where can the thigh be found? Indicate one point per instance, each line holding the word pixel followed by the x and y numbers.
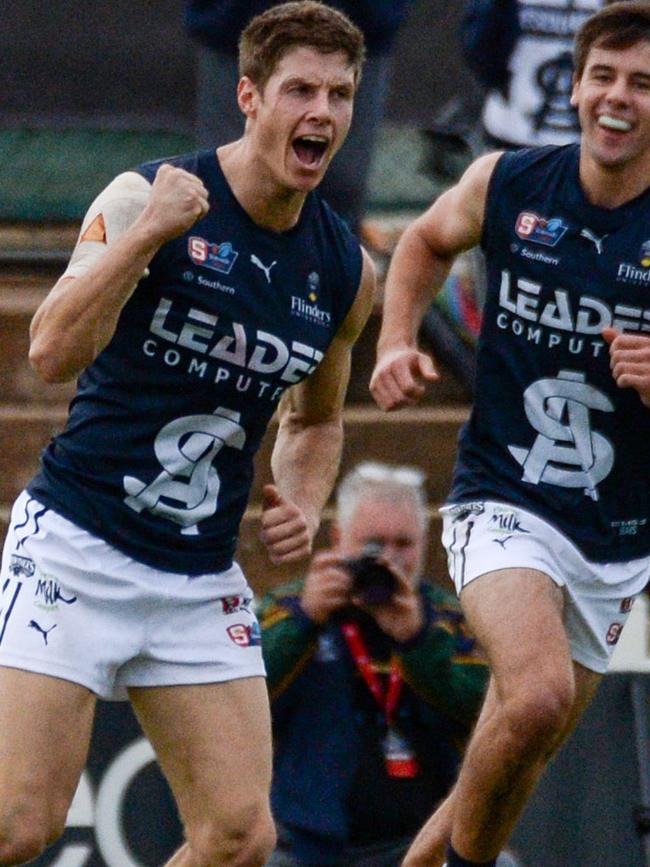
pixel 46 725
pixel 213 743
pixel 517 617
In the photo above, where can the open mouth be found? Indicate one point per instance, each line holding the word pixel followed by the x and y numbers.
pixel 310 149
pixel 614 123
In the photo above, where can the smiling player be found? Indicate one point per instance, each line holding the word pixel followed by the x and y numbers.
pixel 206 292
pixel 547 527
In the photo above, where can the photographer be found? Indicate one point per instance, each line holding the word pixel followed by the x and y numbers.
pixel 374 681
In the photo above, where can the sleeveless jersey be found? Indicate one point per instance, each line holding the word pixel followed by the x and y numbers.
pixel 550 430
pixel 157 454
pixel 537 109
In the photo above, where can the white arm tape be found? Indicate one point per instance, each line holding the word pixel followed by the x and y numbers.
pixel 119 205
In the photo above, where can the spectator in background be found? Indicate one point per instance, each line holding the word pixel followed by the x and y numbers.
pixel 216 26
pixel 521 53
pixel 372 698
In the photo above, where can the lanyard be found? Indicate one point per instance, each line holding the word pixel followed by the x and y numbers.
pixel 386 699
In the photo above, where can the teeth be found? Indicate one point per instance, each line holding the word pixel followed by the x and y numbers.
pixel 317 138
pixel 616 123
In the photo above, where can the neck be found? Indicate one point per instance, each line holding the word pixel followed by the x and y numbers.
pixel 611 186
pixel 266 202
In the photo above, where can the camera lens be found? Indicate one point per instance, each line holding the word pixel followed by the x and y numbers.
pixel 374 582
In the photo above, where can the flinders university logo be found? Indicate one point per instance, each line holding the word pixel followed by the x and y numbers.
pixel 307 308
pixel 218 257
pixel 636 272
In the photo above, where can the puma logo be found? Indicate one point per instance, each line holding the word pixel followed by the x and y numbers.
pixel 44 632
pixel 263 267
pixel 595 240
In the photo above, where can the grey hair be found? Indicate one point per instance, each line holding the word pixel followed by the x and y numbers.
pixel 387 482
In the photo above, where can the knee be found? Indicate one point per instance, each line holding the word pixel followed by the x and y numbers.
pixel 19 849
pixel 27 829
pixel 535 718
pixel 24 837
pixel 247 841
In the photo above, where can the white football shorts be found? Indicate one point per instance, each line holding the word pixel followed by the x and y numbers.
pixel 74 607
pixel 482 537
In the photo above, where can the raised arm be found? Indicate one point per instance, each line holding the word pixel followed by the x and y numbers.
pixel 307 449
pixel 418 269
pixel 119 238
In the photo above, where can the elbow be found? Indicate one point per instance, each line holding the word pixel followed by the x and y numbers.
pixel 47 365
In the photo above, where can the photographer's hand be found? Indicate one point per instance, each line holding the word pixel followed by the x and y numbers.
pixel 402 617
pixel 327 587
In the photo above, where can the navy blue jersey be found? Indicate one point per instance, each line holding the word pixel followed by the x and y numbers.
pixel 550 430
pixel 157 455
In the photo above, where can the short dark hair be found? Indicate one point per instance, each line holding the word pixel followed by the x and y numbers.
pixel 618 25
pixel 308 23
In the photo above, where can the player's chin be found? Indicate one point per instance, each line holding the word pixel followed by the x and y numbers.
pixel 306 182
pixel 308 176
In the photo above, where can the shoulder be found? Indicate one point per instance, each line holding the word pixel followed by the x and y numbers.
pixel 533 160
pixel 476 179
pixel 518 173
pixel 110 214
pixel 454 222
pixel 127 187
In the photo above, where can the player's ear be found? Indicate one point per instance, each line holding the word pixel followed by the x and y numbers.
pixel 248 96
pixel 574 91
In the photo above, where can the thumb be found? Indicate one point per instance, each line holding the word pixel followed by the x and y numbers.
pixel 427 368
pixel 271 497
pixel 609 334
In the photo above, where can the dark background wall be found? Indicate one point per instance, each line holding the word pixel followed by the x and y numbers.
pixel 129 64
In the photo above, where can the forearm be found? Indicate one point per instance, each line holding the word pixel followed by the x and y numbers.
pixel 415 276
pixel 305 464
pixel 78 317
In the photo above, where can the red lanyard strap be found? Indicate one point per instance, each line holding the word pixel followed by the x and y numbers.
pixel 388 698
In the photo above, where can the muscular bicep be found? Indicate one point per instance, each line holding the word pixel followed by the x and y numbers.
pixel 455 220
pixel 114 210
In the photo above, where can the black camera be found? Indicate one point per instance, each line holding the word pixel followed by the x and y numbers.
pixel 374 582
